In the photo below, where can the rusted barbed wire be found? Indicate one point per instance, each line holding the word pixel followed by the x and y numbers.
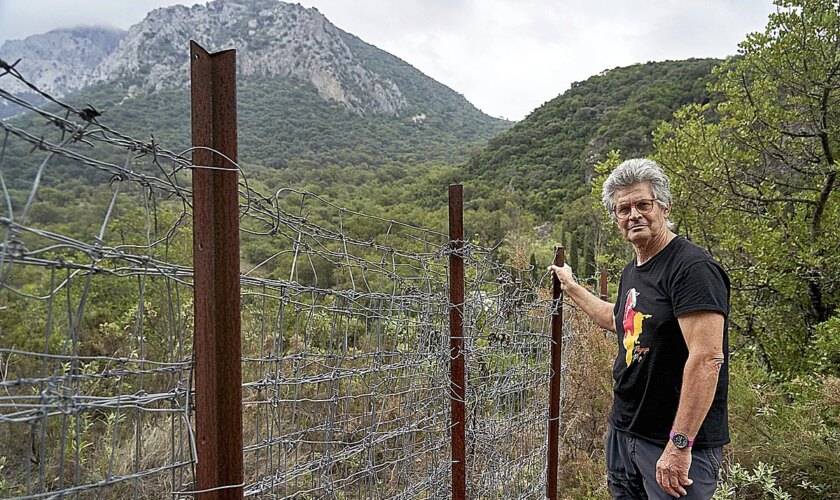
pixel 345 346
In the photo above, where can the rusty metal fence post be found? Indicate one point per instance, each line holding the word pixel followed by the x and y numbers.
pixel 603 284
pixel 217 344
pixel 554 387
pixel 457 385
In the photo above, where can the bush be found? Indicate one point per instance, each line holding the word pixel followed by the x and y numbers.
pixel 785 429
pixel 784 433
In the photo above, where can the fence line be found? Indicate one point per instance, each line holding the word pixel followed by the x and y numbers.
pixel 345 348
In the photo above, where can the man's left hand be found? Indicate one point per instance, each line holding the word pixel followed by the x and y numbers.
pixel 672 470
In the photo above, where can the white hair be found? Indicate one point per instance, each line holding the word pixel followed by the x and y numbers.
pixel 632 172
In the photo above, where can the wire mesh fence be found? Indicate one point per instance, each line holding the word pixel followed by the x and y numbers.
pixel 345 338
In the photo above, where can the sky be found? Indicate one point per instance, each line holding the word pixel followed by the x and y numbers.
pixel 507 57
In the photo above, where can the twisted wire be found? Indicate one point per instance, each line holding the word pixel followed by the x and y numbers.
pixel 345 341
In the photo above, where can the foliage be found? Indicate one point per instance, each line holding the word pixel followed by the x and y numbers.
pixel 586 408
pixel 824 358
pixel 761 482
pixel 786 432
pixel 548 158
pixel 768 154
pixel 547 163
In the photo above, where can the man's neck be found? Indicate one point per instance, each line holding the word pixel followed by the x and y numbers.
pixel 653 247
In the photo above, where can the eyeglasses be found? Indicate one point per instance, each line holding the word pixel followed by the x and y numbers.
pixel 643 206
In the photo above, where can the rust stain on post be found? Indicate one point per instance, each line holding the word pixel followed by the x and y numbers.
pixel 456 337
pixel 554 388
pixel 217 344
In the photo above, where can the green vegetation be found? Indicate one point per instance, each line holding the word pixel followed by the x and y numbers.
pixel 769 153
pixel 546 165
pixel 548 159
pixel 285 123
pixel 752 148
pixel 755 180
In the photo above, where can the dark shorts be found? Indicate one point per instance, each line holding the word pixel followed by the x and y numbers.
pixel 631 468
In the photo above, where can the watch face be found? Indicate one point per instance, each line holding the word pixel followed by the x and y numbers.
pixel 680 440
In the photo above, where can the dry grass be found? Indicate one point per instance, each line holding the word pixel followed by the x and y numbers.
pixel 586 407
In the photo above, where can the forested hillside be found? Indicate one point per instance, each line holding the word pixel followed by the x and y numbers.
pixel 536 175
pixel 548 159
pixel 284 122
pixel 309 93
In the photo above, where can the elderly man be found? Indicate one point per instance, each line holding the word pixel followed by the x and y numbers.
pixel 669 417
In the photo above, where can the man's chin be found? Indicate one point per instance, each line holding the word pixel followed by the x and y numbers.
pixel 637 236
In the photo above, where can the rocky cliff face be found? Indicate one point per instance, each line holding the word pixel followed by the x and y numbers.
pixel 272 38
pixel 60 61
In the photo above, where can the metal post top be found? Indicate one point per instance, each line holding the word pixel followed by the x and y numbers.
pixel 197 51
pixel 559 256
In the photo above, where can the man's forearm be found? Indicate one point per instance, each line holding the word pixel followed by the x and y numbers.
pixel 600 311
pixel 700 377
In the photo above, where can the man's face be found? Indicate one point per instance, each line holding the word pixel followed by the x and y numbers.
pixel 638 228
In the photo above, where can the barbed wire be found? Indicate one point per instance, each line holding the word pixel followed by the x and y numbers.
pixel 345 343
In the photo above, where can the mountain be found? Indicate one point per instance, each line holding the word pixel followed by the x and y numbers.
pixel 548 158
pixel 320 108
pixel 309 93
pixel 273 39
pixel 62 60
pixel 57 62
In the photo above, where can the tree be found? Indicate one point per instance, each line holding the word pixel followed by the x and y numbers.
pixel 756 178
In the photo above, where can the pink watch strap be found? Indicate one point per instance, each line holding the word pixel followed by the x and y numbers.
pixel 674 433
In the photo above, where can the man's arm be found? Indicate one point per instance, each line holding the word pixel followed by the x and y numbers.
pixel 703 333
pixel 600 311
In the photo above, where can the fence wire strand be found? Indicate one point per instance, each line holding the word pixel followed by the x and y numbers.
pixel 345 342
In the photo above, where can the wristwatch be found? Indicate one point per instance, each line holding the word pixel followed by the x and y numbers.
pixel 680 440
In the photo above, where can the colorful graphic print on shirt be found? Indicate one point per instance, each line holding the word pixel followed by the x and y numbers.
pixel 633 328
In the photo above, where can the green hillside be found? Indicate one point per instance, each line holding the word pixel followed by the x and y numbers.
pixel 524 178
pixel 548 158
pixel 283 122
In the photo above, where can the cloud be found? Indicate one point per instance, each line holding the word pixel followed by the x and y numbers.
pixel 506 56
pixel 22 18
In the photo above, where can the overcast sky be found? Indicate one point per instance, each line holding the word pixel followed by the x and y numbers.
pixel 506 56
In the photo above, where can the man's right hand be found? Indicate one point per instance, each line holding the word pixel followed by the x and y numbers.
pixel 599 310
pixel 565 275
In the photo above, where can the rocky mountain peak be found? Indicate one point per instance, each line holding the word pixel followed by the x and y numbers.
pixel 272 38
pixel 62 60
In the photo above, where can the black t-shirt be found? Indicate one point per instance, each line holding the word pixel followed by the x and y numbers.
pixel 648 371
